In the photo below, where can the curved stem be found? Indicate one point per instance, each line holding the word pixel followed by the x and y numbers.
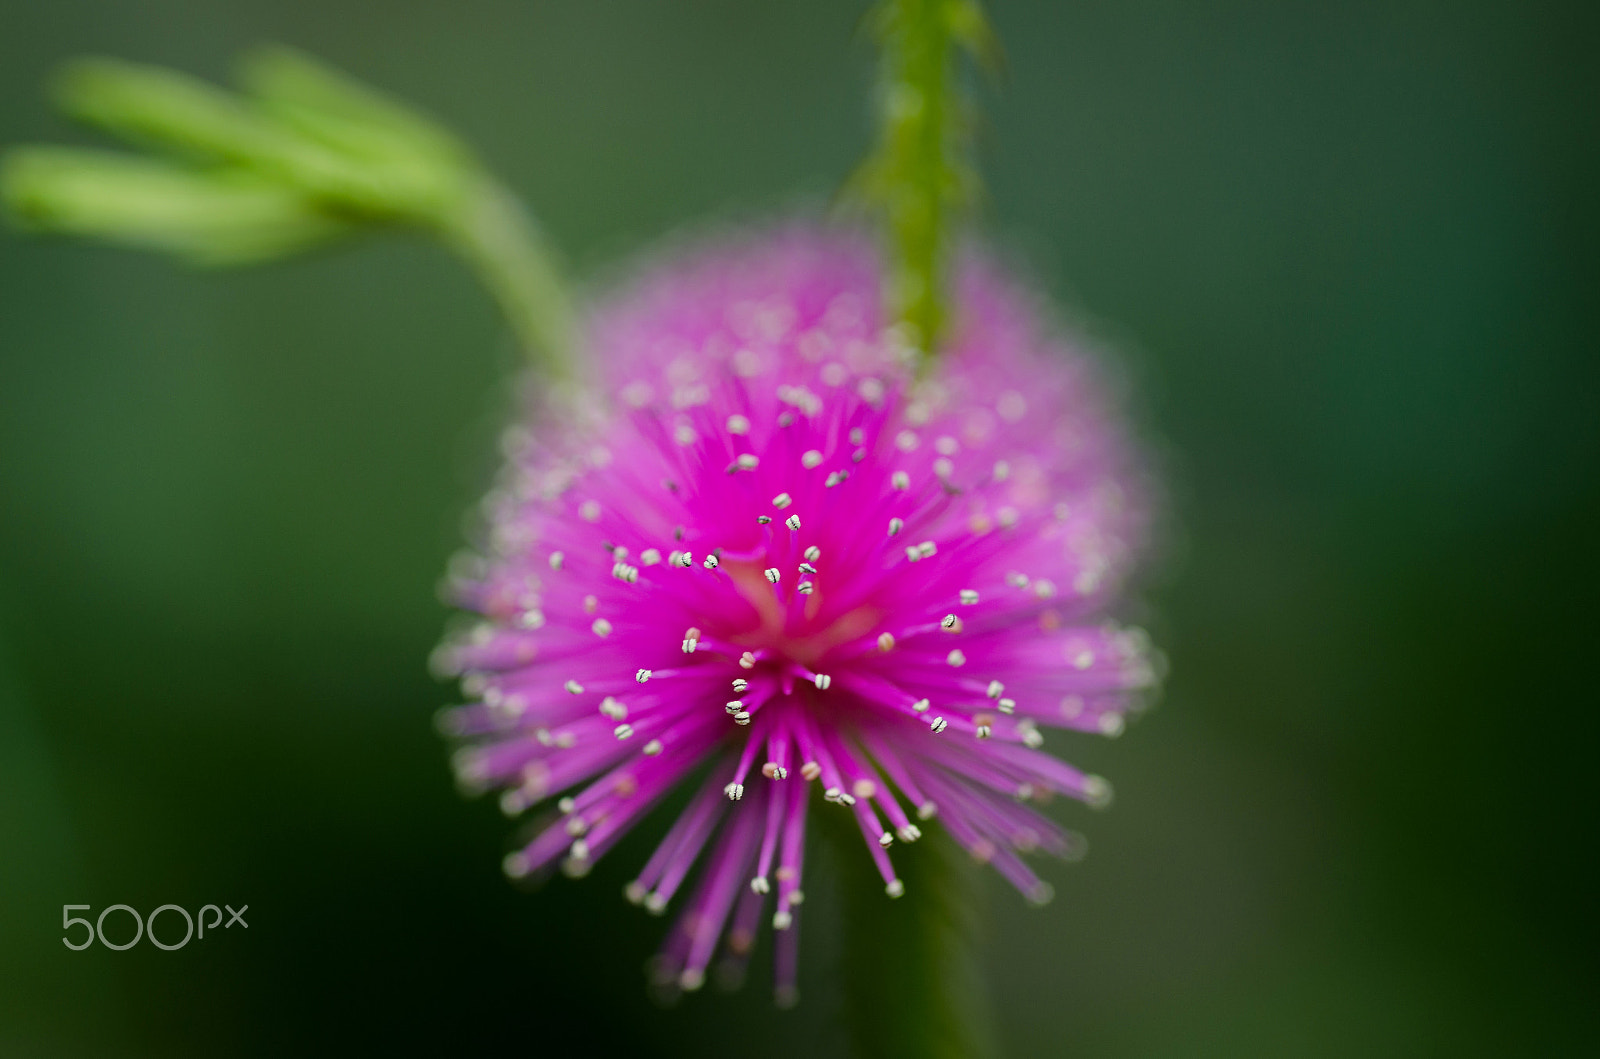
pixel 492 232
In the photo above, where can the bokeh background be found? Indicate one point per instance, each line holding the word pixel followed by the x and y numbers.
pixel 1348 252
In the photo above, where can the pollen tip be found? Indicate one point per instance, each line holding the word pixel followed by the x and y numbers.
pixel 896 888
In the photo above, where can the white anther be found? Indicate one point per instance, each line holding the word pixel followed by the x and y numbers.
pixel 906 440
pixel 943 468
pixel 772 574
pixel 822 681
pixel 793 522
pixel 748 461
pixel 738 424
pixel 810 459
pixel 516 864
pixel 927 548
pixel 807 568
pixel 782 920
pixel 1044 589
pixel 994 689
pixel 950 623
pixel 623 731
pixel 681 559
pixel 984 731
pixel 938 725
pixel 532 619
pixel 886 839
pixel 927 811
pixel 782 500
pixel 1007 517
pixel 689 646
pixel 813 553
pixel 649 557
pixel 909 833
pixel 741 718
pixel 747 660
pixel 858 455
pixel 601 627
pixel 1097 791
pixel 805 588
pixel 1033 738
pixel 576 826
pixel 834 478
pixel 1111 725
pixel 589 511
pixel 763 520
pixel 969 596
pixel 613 709
pixel 740 685
pixel 920 706
pixel 1017 580
pixel 624 572
pixel 832 794
pixel 619 552
pixel 580 849
pixel 900 480
pixel 735 706
pixel 896 525
pixel 642 675
pixel 710 563
pixel 573 687
pixel 1008 705
pixel 896 888
pixel 566 805
pixel 653 747
pixel 734 791
pixel 956 657
pixel 759 885
pixel 556 559
pixel 913 553
pixel 886 641
pixel 774 771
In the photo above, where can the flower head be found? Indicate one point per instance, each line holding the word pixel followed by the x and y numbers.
pixel 765 545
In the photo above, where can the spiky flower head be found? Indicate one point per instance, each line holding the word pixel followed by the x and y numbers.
pixel 764 545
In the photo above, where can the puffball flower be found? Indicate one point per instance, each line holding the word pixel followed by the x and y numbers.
pixel 762 545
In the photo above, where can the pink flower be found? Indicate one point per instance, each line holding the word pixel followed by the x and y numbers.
pixel 763 545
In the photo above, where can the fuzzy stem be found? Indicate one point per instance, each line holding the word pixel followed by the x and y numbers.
pixel 919 174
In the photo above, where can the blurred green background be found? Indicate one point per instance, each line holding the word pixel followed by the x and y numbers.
pixel 1349 252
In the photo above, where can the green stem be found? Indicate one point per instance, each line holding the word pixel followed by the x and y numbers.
pixel 920 174
pixel 912 985
pixel 497 237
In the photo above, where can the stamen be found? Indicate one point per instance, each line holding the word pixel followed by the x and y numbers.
pixel 772 574
pixel 807 568
pixel 622 731
pixel 886 641
pixel 921 705
pixel 995 688
pixel 747 660
pixel 822 681
pixel 763 520
pixel 805 588
pixel 812 554
pixel 740 685
pixel 748 461
pixel 734 707
pixel 950 623
pixel 601 627
pixel 968 597
pixel 939 724
pixel 642 675
pixel 900 480
pixel 738 424
pixel 734 791
pixel 782 500
pixel 573 687
pixel 793 522
pixel 810 459
pixel 896 888
pixel 556 559
pixel 956 657
pixel 710 563
pixel 896 525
